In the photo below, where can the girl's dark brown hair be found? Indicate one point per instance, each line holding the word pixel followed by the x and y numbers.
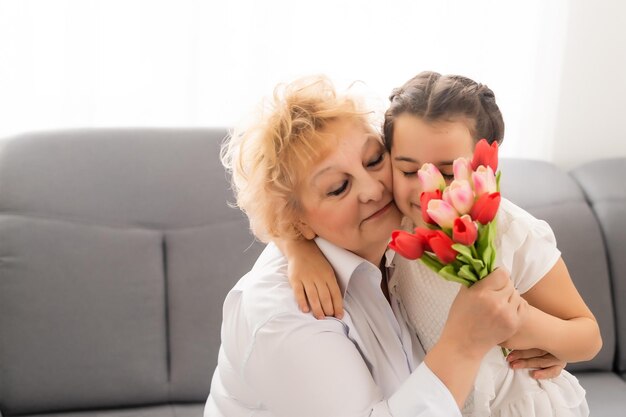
pixel 434 97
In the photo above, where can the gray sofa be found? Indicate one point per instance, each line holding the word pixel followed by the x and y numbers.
pixel 117 248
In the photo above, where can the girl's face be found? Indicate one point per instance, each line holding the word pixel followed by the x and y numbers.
pixel 347 197
pixel 416 142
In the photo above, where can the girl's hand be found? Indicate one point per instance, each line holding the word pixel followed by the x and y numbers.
pixel 312 279
pixel 549 365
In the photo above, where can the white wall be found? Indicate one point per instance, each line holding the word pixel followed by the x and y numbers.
pixel 557 67
pixel 591 118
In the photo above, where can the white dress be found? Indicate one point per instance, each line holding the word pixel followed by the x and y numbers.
pixel 527 248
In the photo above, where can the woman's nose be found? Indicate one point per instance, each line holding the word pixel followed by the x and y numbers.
pixel 371 188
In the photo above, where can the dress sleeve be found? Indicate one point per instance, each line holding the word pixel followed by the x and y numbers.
pixel 528 248
pixel 313 369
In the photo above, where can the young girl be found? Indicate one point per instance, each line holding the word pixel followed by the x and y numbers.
pixel 436 119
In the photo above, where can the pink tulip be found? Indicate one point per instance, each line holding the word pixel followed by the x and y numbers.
pixel 484 181
pixel 460 195
pixel 464 231
pixel 442 213
pixel 462 169
pixel 430 178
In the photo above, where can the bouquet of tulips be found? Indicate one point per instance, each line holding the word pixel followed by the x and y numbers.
pixel 459 241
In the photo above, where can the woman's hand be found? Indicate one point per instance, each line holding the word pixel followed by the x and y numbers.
pixel 549 366
pixel 486 314
pixel 312 279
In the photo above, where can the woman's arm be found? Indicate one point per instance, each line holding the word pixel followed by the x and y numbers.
pixel 312 278
pixel 559 321
pixel 311 368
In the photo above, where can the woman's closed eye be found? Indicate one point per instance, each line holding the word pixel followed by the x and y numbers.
pixel 376 161
pixel 339 190
pixel 409 173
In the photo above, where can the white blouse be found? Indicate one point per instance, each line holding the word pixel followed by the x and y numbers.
pixel 277 361
pixel 526 247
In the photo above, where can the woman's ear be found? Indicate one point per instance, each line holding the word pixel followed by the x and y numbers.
pixel 305 230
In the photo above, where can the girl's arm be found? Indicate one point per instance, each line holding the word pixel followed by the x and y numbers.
pixel 558 321
pixel 312 278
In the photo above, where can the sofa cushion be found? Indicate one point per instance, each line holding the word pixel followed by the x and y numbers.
pixel 155 178
pixel 606 393
pixel 605 187
pixel 173 410
pixel 81 316
pixel 551 195
pixel 218 254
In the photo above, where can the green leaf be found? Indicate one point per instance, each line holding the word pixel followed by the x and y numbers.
pixel 483 239
pixel 466 273
pixel 462 249
pixel 486 249
pixel 448 273
pixel 474 252
pixel 486 256
pixel 498 180
pixel 431 261
pixel 483 273
pixel 476 264
pixel 492 229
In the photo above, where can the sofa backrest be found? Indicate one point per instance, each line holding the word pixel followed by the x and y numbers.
pixel 604 184
pixel 117 248
pixel 552 195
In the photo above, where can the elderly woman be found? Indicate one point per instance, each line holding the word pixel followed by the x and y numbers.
pixel 313 167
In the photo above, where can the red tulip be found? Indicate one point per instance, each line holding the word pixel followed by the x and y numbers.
pixel 464 231
pixel 486 155
pixel 406 244
pixel 425 198
pixel 442 246
pixel 485 208
pixel 425 235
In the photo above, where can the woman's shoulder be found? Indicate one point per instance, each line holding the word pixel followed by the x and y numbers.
pixel 265 290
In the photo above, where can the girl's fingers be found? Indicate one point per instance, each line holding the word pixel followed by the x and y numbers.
pixel 314 301
pixel 547 373
pixel 298 291
pixel 325 299
pixel 543 362
pixel 335 293
pixel 525 353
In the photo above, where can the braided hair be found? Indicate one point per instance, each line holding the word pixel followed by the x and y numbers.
pixel 434 97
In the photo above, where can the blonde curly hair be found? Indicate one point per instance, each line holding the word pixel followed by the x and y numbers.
pixel 269 158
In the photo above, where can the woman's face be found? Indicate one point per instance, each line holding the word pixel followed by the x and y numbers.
pixel 416 142
pixel 347 197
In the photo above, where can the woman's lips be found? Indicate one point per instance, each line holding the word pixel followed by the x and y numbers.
pixel 380 212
